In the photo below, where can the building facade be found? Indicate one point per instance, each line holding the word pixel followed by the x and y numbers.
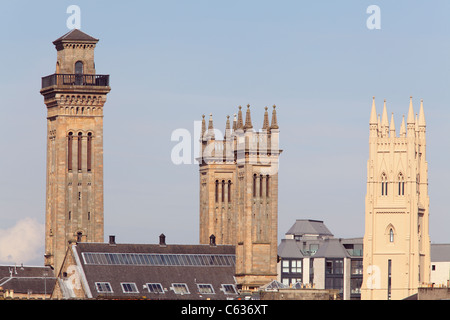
pixel 396 239
pixel 74 96
pixel 310 257
pixel 239 194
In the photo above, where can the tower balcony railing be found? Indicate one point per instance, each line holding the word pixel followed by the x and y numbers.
pixel 97 80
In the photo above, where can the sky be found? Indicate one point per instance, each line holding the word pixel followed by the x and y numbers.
pixel 172 61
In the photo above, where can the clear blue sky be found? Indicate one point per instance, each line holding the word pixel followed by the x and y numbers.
pixel 172 61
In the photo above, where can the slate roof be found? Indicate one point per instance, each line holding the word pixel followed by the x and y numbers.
pixel 23 279
pixel 75 35
pixel 309 227
pixel 191 275
pixel 289 248
pixel 332 248
pixel 440 252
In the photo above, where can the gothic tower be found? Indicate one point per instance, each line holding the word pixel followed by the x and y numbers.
pixel 396 240
pixel 74 96
pixel 239 194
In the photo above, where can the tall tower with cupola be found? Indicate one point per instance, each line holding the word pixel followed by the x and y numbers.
pixel 74 96
pixel 239 194
pixel 396 240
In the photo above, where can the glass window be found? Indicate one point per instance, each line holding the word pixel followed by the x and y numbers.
pixel 391 235
pixel 296 266
pixel 180 288
pixel 285 265
pixel 205 288
pixel 103 287
pixel 129 287
pixel 229 289
pixel 155 288
pixel 357 267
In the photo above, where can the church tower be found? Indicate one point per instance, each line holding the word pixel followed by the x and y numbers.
pixel 396 240
pixel 239 194
pixel 74 96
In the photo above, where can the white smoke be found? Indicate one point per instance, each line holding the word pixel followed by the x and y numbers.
pixel 22 243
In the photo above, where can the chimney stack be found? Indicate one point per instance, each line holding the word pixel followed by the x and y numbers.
pixel 112 239
pixel 212 240
pixel 162 239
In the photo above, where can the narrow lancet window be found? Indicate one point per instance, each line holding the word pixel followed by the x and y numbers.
pixel 217 191
pixel 384 185
pixel 229 191
pixel 254 185
pixel 391 235
pixel 79 151
pixel 69 151
pixel 267 186
pixel 223 190
pixel 89 151
pixel 401 185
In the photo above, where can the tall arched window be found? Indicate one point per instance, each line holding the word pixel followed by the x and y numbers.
pixel 223 190
pixel 89 151
pixel 391 235
pixel 229 191
pixel 79 151
pixel 401 185
pixel 217 191
pixel 69 151
pixel 267 186
pixel 78 73
pixel 254 185
pixel 78 67
pixel 384 185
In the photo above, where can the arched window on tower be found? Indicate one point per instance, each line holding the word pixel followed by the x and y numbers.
pixel 89 151
pixel 223 190
pixel 384 185
pixel 78 73
pixel 217 191
pixel 391 235
pixel 267 186
pixel 254 185
pixel 401 185
pixel 229 191
pixel 69 151
pixel 79 150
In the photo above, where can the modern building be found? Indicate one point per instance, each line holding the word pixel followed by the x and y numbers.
pixel 26 282
pixel 440 265
pixel 396 238
pixel 311 257
pixel 74 96
pixel 239 194
pixel 147 271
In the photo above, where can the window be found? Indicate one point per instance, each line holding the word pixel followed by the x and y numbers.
pixel 180 288
pixel 205 289
pixel 391 235
pixel 229 289
pixel 389 278
pixel 335 266
pixel 433 267
pixel 261 186
pixel 129 287
pixel 267 187
pixel 223 190
pixel 79 67
pixel 401 185
pixel 69 151
pixel 357 267
pixel 103 287
pixel 254 185
pixel 285 265
pixel 79 151
pixel 296 266
pixel 384 185
pixel 217 191
pixel 155 288
pixel 229 191
pixel 89 151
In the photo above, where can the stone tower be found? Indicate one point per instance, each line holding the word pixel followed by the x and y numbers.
pixel 239 194
pixel 396 239
pixel 74 96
